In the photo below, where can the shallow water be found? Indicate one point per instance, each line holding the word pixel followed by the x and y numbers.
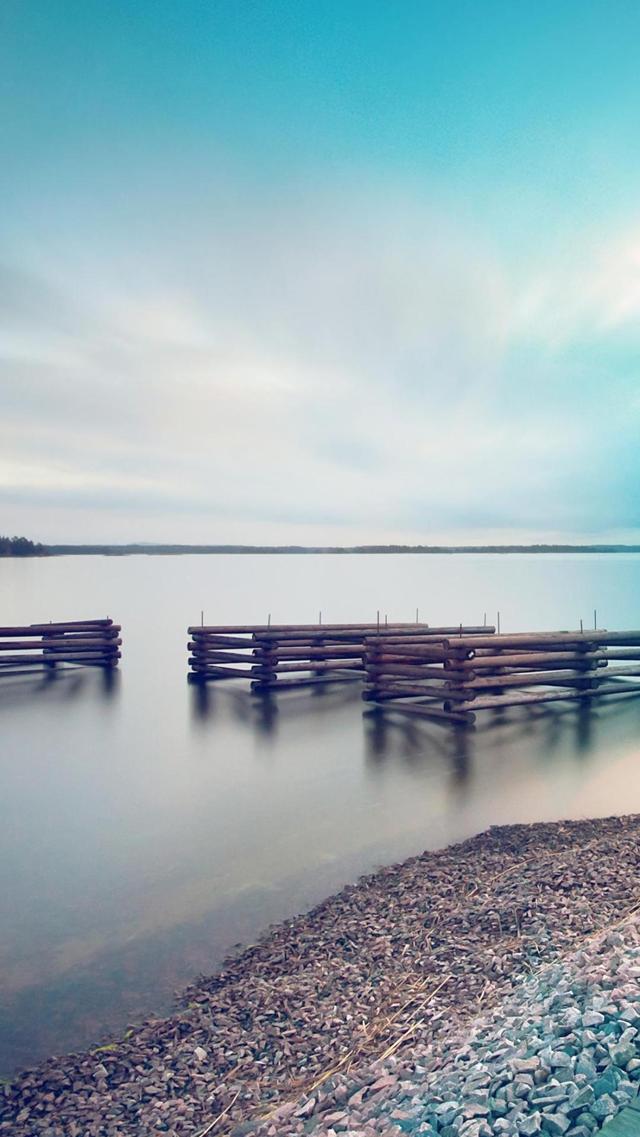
pixel 146 828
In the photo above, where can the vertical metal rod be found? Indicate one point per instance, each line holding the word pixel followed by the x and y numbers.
pixel 417 613
pixel 385 620
pixel 498 623
pixel 202 618
pixel 485 620
pixel 269 620
pixel 320 617
pixel 595 620
pixel 378 619
pixel 581 629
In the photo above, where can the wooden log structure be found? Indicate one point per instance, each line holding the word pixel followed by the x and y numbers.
pixel 468 673
pixel 275 657
pixel 37 647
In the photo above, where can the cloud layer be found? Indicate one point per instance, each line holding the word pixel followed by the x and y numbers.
pixel 328 367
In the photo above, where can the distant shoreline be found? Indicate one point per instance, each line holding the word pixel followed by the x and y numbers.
pixel 438 550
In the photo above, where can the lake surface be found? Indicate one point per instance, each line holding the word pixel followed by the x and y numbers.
pixel 146 828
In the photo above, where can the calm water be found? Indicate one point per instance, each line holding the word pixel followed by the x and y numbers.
pixel 146 830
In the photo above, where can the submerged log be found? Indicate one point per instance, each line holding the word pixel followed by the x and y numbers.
pixel 380 693
pixel 463 718
pixel 220 672
pixel 220 656
pixel 534 679
pixel 290 684
pixel 521 698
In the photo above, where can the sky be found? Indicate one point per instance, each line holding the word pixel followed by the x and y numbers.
pixel 320 272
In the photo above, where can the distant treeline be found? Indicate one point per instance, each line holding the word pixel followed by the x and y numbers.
pixel 21 547
pixel 171 550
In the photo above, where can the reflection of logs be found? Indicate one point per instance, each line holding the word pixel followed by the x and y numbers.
pixel 488 671
pixel 89 643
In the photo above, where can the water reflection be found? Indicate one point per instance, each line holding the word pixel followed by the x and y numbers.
pixel 419 743
pixel 548 735
pixel 58 684
pixel 461 758
pixel 147 825
pixel 266 714
pixel 261 711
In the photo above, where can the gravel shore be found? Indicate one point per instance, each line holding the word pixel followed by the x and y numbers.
pixel 559 1057
pixel 337 1019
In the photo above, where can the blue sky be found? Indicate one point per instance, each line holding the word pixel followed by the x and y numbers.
pixel 319 272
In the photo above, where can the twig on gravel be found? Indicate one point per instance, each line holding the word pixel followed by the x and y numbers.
pixel 209 1127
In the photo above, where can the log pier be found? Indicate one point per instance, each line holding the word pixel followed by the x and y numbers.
pixel 477 672
pixel 46 647
pixel 275 657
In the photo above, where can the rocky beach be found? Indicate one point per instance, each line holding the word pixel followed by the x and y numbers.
pixel 487 988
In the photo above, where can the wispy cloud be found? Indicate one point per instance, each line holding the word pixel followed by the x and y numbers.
pixel 349 366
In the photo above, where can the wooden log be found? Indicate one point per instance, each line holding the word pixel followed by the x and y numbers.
pixel 206 675
pixel 235 642
pixel 59 645
pixel 346 633
pixel 585 668
pixel 307 642
pixel 410 658
pixel 417 671
pixel 333 651
pixel 432 658
pixel 303 661
pixel 429 650
pixel 412 691
pixel 221 656
pixel 48 665
pixel 451 635
pixel 534 679
pixel 45 657
pixel 533 651
pixel 577 640
pixel 328 665
pixel 25 630
pixel 518 698
pixel 306 639
pixel 531 660
pixel 465 718
pixel 618 670
pixel 35 669
pixel 289 684
pixel 310 654
pixel 218 671
pixel 274 629
pixel 446 630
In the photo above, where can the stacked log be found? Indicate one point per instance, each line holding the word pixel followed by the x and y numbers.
pixel 284 656
pixel 34 647
pixel 277 656
pixel 468 673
